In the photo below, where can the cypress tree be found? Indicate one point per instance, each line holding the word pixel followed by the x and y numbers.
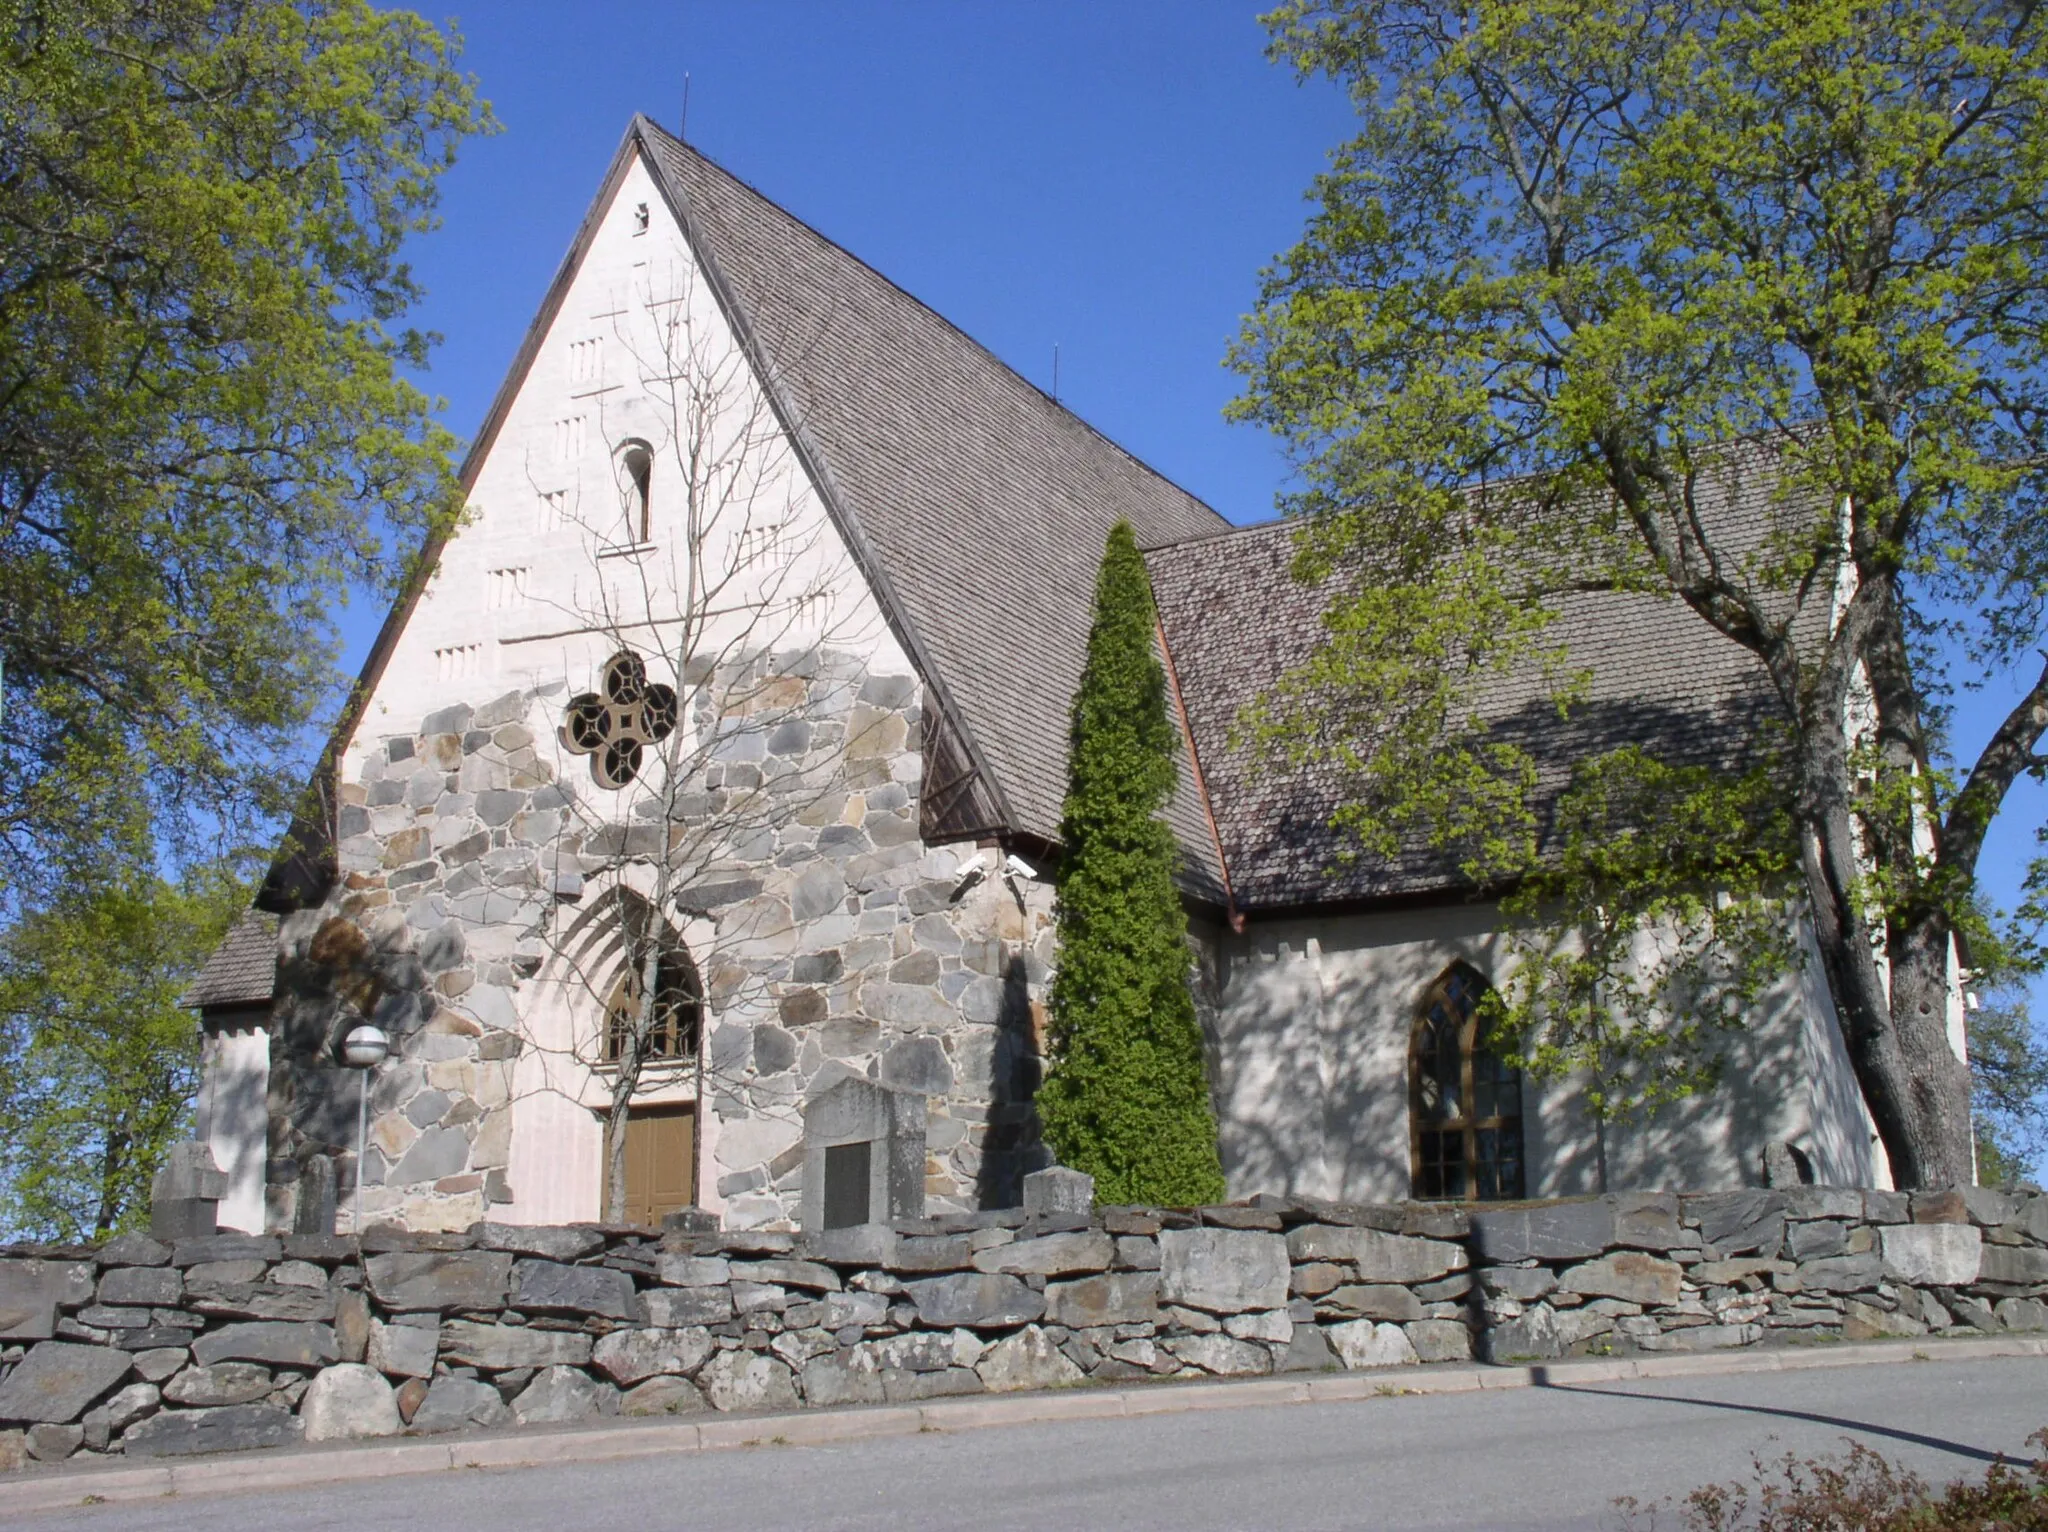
pixel 1126 1097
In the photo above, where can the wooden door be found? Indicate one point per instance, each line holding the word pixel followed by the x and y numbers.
pixel 661 1170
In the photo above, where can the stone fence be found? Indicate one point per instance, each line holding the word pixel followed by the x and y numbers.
pixel 235 1341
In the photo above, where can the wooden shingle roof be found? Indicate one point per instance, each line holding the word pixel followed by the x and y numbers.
pixel 979 503
pixel 1235 620
pixel 242 970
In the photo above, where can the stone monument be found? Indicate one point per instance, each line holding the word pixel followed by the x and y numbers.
pixel 863 1156
pixel 184 1198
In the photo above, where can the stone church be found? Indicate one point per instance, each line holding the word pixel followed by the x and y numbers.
pixel 753 651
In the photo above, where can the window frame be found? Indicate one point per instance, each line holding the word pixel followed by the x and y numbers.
pixel 1472 1166
pixel 684 1031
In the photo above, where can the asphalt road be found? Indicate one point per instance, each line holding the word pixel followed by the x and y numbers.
pixel 1534 1458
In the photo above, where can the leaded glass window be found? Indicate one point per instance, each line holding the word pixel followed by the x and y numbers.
pixel 671 1026
pixel 1465 1100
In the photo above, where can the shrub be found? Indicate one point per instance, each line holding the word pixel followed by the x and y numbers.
pixel 1127 1097
pixel 1864 1492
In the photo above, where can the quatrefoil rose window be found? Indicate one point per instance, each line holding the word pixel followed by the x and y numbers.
pixel 615 724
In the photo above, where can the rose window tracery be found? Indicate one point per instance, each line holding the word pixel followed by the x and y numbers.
pixel 615 724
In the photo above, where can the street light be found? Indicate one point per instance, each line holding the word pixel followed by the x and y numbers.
pixel 364 1048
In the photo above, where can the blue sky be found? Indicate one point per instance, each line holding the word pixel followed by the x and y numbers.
pixel 1107 178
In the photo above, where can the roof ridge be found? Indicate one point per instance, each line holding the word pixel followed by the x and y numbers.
pixel 810 228
pixel 1240 529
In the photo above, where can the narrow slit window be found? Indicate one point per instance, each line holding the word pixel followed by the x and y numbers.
pixel 636 486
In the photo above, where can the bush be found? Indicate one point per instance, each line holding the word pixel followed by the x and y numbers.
pixel 1864 1492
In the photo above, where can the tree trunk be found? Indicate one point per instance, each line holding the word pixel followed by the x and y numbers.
pixel 1896 1034
pixel 615 1147
pixel 1924 1089
pixel 632 1049
pixel 113 1165
pixel 1935 1094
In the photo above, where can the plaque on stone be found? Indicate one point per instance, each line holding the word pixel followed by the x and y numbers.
pixel 847 1170
pixel 863 1156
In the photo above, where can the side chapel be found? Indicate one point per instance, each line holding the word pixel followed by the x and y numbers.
pixel 756 646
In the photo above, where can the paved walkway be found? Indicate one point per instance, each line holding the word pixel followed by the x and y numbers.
pixel 1509 1447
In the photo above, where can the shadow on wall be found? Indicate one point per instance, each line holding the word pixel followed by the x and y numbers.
pixel 1267 1072
pixel 1768 1090
pixel 1014 1146
pixel 1310 1032
pixel 1371 1015
pixel 333 975
pixel 1311 1047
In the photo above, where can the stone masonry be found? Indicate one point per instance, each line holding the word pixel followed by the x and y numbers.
pixel 843 947
pixel 237 1341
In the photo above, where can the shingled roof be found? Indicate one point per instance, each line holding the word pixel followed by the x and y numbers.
pixel 1235 620
pixel 980 504
pixel 243 968
pixel 979 507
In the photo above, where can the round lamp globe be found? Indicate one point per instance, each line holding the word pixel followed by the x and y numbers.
pixel 365 1047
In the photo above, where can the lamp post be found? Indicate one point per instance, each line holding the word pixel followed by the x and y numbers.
pixel 364 1048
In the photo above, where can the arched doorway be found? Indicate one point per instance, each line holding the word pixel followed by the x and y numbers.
pixel 1464 1100
pixel 657 1037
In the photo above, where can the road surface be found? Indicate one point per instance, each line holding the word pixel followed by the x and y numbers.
pixel 1524 1459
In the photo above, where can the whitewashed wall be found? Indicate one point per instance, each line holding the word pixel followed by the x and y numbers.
pixel 1310 1028
pixel 538 581
pixel 235 1118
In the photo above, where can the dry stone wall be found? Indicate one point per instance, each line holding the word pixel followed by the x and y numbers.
pixel 239 1341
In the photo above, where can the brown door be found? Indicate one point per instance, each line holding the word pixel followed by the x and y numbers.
pixel 661 1171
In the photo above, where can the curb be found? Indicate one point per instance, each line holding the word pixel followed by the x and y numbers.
pixel 354 1462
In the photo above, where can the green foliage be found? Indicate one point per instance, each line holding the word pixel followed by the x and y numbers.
pixel 2009 1072
pixel 1676 880
pixel 1586 277
pixel 98 1062
pixel 1863 1491
pixel 1126 1098
pixel 206 428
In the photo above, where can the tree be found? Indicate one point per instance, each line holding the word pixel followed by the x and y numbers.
pixel 1126 1096
pixel 2009 1079
pixel 727 716
pixel 207 433
pixel 100 1060
pixel 1587 278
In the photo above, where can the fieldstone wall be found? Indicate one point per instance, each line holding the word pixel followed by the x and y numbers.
pixel 845 947
pixel 237 1341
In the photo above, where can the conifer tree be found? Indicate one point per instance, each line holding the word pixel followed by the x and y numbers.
pixel 1126 1098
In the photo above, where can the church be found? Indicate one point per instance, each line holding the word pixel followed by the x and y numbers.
pixel 743 682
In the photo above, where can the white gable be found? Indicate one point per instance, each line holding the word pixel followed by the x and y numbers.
pixel 639 481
